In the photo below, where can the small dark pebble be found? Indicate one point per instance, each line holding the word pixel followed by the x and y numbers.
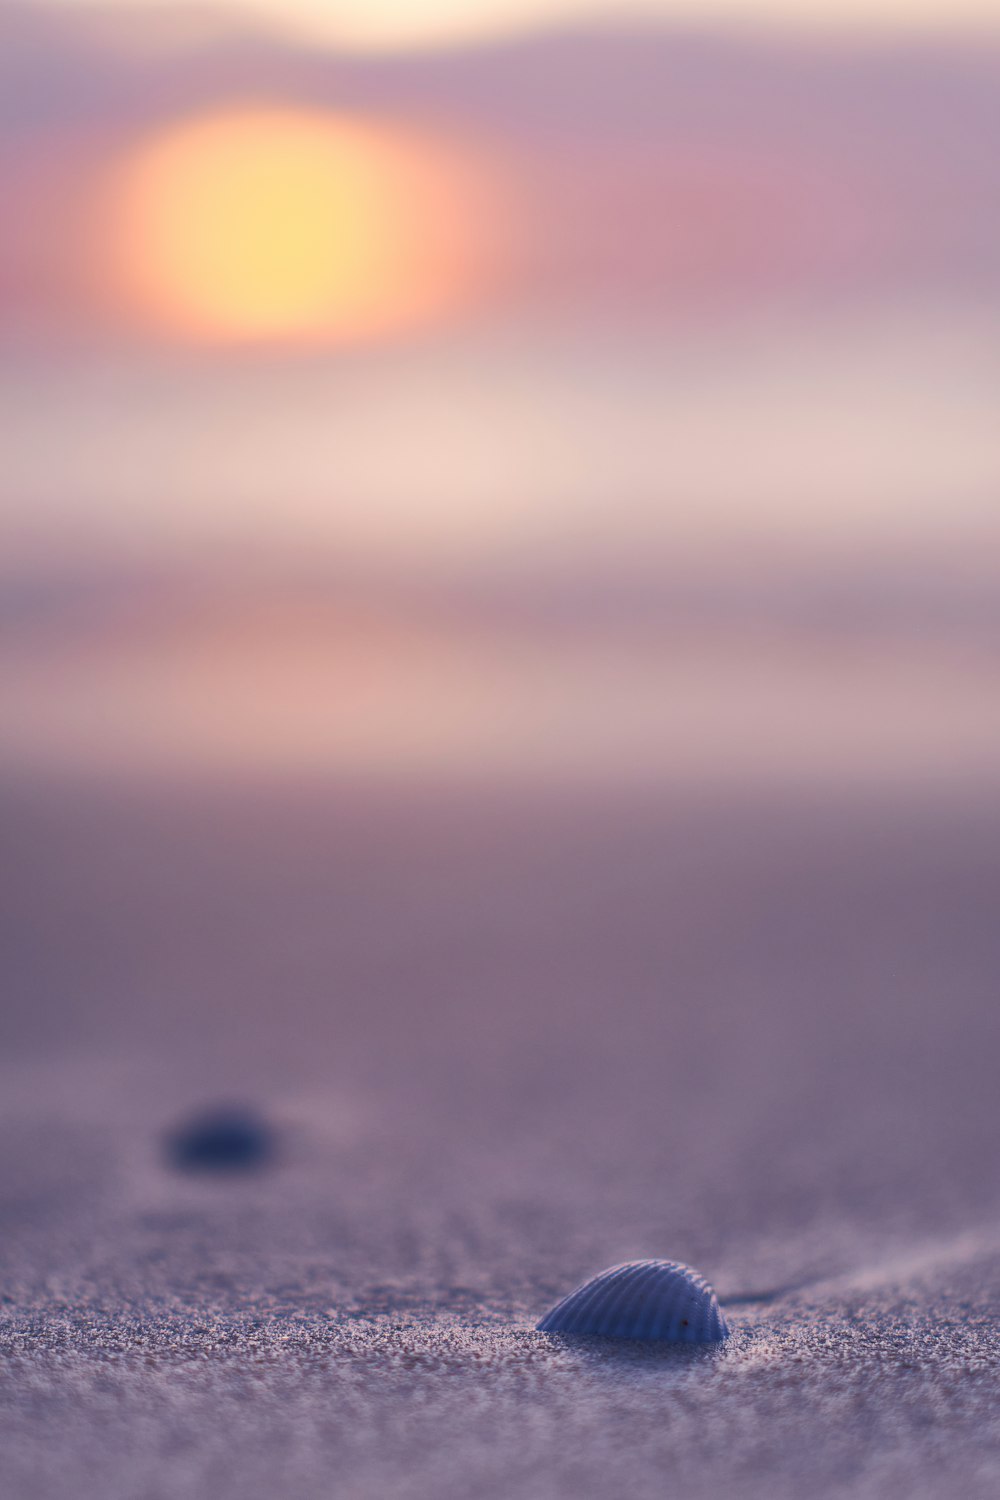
pixel 230 1139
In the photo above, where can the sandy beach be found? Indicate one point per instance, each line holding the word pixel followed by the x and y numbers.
pixel 503 1041
pixel 499 642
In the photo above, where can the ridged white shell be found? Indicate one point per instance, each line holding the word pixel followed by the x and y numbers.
pixel 642 1299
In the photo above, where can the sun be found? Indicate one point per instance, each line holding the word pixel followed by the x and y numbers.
pixel 259 224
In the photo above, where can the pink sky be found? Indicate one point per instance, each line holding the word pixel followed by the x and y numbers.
pixel 700 471
pixel 632 175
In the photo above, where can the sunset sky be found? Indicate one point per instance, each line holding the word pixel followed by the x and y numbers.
pixel 521 353
pixel 393 23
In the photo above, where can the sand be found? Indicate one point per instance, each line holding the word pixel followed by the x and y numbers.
pixel 504 1041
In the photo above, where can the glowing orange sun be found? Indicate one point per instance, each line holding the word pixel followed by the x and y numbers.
pixel 271 224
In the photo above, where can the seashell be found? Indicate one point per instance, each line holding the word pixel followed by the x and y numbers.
pixel 227 1139
pixel 642 1299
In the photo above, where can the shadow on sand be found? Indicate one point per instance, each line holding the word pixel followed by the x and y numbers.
pixel 638 1354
